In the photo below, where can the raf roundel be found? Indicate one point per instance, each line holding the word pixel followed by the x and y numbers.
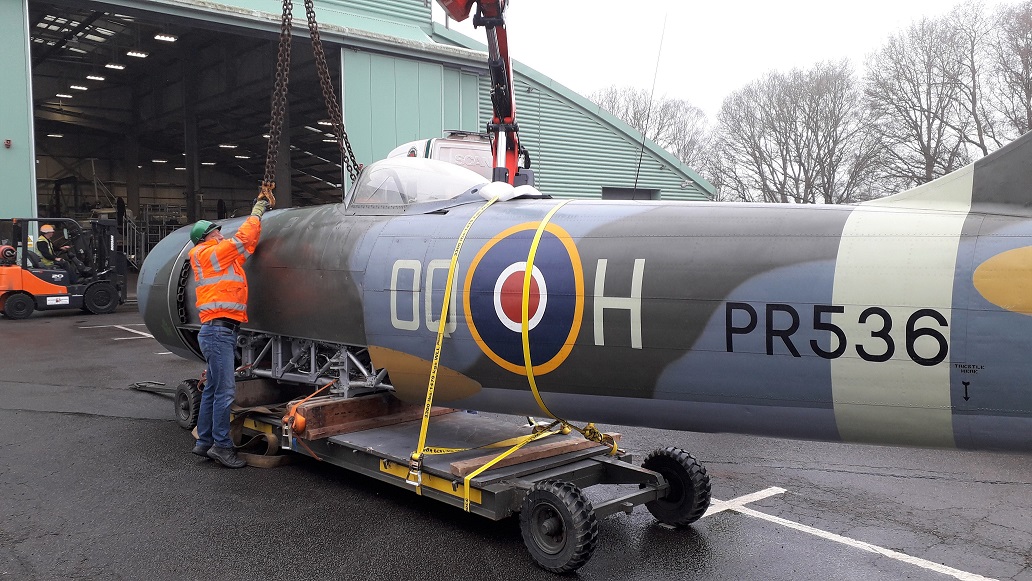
pixel 508 297
pixel 493 298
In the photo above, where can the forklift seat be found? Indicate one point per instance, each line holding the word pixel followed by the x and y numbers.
pixel 34 260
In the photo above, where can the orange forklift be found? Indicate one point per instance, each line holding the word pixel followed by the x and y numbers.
pixel 97 286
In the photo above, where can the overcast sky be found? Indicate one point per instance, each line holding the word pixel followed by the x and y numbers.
pixel 709 49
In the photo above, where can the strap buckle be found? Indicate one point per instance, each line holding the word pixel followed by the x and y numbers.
pixel 286 436
pixel 415 470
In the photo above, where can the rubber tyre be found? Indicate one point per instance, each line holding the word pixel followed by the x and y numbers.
pixel 188 404
pixel 689 494
pixel 100 298
pixel 19 306
pixel 558 526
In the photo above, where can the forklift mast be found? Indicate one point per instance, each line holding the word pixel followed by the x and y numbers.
pixel 103 246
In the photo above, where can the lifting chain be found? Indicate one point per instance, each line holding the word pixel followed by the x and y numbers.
pixel 330 96
pixel 279 95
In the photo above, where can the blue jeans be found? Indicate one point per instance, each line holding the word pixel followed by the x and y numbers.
pixel 218 345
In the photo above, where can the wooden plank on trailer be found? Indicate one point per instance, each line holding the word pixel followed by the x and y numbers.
pixel 330 416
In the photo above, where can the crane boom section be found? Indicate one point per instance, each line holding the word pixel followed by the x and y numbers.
pixel 505 145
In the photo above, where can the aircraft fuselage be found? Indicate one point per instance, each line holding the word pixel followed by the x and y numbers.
pixel 901 321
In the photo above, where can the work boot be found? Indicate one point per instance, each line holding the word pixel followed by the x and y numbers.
pixel 201 449
pixel 227 457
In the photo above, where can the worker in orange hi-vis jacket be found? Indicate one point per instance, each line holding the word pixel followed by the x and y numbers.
pixel 218 268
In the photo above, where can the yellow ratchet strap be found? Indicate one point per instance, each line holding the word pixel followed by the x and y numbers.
pixel 416 459
pixel 415 473
pixel 525 307
pixel 589 431
pixel 437 450
pixel 526 440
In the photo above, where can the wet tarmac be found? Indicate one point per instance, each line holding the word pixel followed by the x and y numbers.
pixel 97 481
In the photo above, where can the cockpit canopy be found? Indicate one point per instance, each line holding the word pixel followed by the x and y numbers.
pixel 403 181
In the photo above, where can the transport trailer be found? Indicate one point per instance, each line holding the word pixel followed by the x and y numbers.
pixel 543 481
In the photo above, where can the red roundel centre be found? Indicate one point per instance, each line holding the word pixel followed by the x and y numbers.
pixel 512 297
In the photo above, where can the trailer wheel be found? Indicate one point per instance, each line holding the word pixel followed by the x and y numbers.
pixel 188 404
pixel 558 526
pixel 100 298
pixel 19 306
pixel 689 494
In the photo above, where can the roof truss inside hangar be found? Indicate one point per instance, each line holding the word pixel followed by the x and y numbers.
pixel 100 75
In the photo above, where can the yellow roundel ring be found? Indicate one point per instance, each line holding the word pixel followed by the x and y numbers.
pixel 491 303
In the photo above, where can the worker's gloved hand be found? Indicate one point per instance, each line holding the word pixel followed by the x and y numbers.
pixel 260 206
pixel 265 193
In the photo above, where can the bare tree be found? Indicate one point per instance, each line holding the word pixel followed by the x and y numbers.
pixel 674 124
pixel 1012 59
pixel 971 33
pixel 689 134
pixel 632 106
pixel 798 137
pixel 845 153
pixel 753 155
pixel 936 94
pixel 913 94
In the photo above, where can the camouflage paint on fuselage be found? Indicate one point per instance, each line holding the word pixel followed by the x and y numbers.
pixel 905 320
pixel 306 255
pixel 991 384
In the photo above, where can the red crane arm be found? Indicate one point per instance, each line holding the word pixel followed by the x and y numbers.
pixel 457 9
pixel 505 144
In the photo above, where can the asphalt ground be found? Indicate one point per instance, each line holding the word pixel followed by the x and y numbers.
pixel 97 481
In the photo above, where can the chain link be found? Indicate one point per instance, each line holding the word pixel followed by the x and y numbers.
pixel 330 96
pixel 279 94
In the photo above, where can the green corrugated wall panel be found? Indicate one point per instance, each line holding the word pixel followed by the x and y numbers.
pixel 430 99
pixel 17 163
pixel 461 104
pixel 392 100
pixel 408 19
pixel 358 102
pixel 452 106
pixel 414 12
pixel 401 101
pixel 469 86
pixel 574 154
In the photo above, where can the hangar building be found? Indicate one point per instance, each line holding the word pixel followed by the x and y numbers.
pixel 165 105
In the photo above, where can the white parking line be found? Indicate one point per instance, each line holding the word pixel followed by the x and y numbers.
pixel 738 505
pixel 721 505
pixel 125 328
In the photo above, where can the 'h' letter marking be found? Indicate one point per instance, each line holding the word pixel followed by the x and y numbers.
pixel 631 303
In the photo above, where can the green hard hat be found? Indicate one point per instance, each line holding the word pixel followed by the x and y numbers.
pixel 201 229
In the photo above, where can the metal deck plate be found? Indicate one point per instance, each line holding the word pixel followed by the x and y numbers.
pixel 459 430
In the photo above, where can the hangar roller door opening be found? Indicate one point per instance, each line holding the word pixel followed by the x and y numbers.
pixel 167 118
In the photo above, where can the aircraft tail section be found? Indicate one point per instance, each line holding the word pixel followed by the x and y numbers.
pixel 1004 177
pixel 1001 182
